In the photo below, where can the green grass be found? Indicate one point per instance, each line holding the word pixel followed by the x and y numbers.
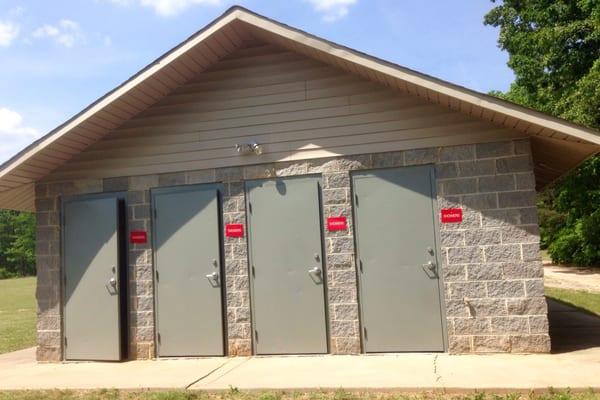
pixel 316 395
pixel 578 298
pixel 17 314
pixel 545 255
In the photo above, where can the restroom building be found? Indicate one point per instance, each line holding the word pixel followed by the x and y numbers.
pixel 260 190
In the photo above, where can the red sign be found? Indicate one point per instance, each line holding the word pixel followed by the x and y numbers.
pixel 234 230
pixel 451 215
pixel 138 237
pixel 337 224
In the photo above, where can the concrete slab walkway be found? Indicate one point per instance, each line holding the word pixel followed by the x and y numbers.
pixel 411 372
pixel 575 337
pixel 406 372
pixel 19 370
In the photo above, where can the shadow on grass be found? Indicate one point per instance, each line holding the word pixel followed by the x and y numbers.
pixel 572 328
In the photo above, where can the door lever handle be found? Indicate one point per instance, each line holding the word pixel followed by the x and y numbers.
pixel 430 265
pixel 213 277
pixel 111 286
pixel 315 274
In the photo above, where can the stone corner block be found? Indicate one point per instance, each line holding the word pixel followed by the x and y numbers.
pixel 530 343
pixel 240 347
pixel 491 344
pixel 345 346
pixel 459 344
pixel 48 354
pixel 142 351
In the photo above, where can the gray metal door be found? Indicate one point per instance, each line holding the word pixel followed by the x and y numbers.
pixel 286 266
pixel 91 271
pixel 397 260
pixel 188 273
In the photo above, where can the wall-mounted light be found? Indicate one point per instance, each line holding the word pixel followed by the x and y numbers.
pixel 252 147
pixel 256 148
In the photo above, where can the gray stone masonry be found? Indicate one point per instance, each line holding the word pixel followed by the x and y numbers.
pixel 491 269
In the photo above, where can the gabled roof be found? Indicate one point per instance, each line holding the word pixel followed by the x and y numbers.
pixel 558 145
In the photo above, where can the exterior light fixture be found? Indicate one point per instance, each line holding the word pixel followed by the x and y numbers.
pixel 252 147
pixel 256 148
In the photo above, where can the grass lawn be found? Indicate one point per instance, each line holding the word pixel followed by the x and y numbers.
pixel 545 255
pixel 578 298
pixel 237 395
pixel 17 314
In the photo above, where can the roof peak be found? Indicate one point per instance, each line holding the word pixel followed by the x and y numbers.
pixel 221 37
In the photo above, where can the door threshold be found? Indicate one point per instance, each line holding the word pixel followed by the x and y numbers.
pixel 399 353
pixel 292 355
pixel 167 358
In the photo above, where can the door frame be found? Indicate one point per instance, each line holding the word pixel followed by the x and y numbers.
pixel 437 244
pixel 319 179
pixel 178 189
pixel 123 265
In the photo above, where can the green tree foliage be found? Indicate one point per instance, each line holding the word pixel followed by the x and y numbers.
pixel 17 244
pixel 570 216
pixel 554 51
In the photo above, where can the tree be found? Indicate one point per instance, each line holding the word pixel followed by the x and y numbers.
pixel 554 51
pixel 17 244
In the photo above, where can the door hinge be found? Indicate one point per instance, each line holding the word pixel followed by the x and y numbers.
pixel 158 338
pixel 250 207
pixel 360 266
pixel 156 275
pixel 255 335
pixel 154 212
pixel 65 341
pixel 365 332
pixel 356 199
pixel 253 271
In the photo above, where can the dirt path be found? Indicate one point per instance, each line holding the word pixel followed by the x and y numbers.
pixel 572 278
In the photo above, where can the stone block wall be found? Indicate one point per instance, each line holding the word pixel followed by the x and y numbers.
pixel 493 286
pixel 493 273
pixel 140 271
pixel 237 284
pixel 48 265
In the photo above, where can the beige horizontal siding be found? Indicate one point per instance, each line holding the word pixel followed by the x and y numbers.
pixel 294 106
pixel 20 198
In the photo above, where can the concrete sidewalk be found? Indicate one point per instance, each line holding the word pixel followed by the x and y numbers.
pixel 406 372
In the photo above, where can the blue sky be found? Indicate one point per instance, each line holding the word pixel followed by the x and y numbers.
pixel 58 56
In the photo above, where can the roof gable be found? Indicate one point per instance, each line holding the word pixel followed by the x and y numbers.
pixel 234 30
pixel 296 107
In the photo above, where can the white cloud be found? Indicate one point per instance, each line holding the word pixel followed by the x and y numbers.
pixel 46 31
pixel 166 8
pixel 14 134
pixel 8 32
pixel 333 10
pixel 65 33
pixel 11 123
